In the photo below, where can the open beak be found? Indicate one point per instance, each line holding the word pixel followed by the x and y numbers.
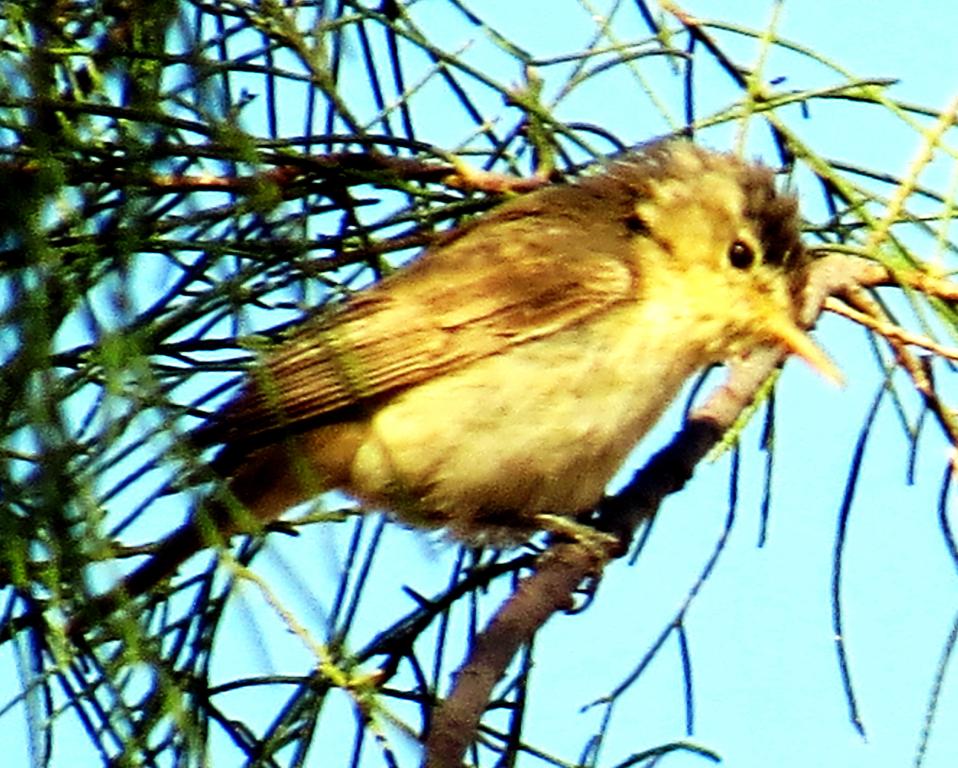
pixel 798 342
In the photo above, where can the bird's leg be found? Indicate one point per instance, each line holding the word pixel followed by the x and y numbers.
pixel 601 545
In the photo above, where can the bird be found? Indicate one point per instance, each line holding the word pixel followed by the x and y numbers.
pixel 501 378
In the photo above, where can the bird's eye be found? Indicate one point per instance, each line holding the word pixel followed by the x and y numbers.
pixel 741 255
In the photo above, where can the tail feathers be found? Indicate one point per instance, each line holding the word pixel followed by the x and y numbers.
pixel 260 488
pixel 171 553
pixel 163 563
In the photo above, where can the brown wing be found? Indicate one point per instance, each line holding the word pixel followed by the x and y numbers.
pixel 544 262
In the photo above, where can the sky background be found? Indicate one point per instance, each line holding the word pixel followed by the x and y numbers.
pixel 766 681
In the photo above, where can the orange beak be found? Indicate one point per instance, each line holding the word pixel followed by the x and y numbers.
pixel 798 342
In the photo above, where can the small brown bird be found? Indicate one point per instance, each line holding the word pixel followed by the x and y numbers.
pixel 506 373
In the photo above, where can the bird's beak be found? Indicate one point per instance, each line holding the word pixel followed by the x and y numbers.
pixel 798 342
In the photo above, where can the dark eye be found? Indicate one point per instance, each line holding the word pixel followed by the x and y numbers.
pixel 741 255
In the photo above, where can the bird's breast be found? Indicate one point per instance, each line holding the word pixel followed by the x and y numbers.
pixel 540 428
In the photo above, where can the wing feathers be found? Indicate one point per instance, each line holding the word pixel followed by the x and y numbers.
pixel 522 273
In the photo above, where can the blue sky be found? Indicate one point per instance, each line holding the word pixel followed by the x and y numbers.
pixel 766 681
